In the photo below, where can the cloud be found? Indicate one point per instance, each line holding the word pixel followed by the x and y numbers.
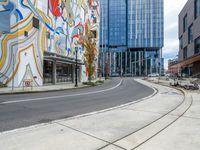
pixel 172 10
pixel 171 26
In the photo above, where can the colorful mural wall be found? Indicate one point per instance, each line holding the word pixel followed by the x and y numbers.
pixel 60 23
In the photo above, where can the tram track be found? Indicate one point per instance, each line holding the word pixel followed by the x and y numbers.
pixel 168 125
pixel 114 143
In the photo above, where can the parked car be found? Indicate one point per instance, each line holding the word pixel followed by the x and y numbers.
pixel 115 74
pixel 153 75
pixel 191 87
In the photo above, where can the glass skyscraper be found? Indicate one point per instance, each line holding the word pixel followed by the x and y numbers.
pixel 131 37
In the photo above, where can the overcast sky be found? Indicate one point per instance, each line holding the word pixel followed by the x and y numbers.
pixel 172 9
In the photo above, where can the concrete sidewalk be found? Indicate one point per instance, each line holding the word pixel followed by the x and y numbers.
pixel 64 86
pixel 125 127
pixel 45 88
pixel 183 135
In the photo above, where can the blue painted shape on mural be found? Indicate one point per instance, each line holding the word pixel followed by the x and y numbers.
pixel 8 9
pixel 60 29
pixel 68 51
pixel 35 11
pixel 63 19
pixel 24 6
pixel 50 28
pixel 77 29
pixel 81 50
pixel 10 6
pixel 4 23
pixel 92 16
pixel 20 16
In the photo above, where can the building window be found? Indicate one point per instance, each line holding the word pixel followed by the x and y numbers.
pixel 94 20
pixel 197 46
pixel 184 23
pixel 94 34
pixel 48 35
pixel 94 7
pixel 36 23
pixel 26 33
pixel 185 53
pixel 181 42
pixel 197 8
pixel 190 34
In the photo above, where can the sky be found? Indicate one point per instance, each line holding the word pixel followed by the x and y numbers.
pixel 171 46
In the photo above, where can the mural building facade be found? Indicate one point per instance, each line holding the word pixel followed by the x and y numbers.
pixel 39 40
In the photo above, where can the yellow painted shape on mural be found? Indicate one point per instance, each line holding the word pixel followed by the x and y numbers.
pixel 42 41
pixel 80 3
pixel 15 71
pixel 43 38
pixel 19 60
pixel 22 21
pixel 15 42
pixel 28 74
pixel 43 16
pixel 84 6
pixel 12 36
pixel 56 46
pixel 68 12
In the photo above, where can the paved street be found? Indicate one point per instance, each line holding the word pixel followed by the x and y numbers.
pixel 23 110
pixel 168 119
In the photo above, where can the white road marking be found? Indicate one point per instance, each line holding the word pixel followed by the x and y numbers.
pixel 62 96
pixel 82 115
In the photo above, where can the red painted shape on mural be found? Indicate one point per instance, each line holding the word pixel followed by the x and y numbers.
pixel 90 2
pixel 77 27
pixel 87 72
pixel 56 7
pixel 75 36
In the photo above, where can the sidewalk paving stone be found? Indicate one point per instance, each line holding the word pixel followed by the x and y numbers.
pixel 99 129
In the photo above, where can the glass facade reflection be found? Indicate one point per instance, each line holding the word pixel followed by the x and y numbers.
pixel 117 23
pixel 132 37
pixel 145 23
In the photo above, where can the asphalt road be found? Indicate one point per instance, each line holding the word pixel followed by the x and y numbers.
pixel 23 110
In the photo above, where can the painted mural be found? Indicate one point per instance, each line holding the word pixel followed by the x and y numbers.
pixel 60 24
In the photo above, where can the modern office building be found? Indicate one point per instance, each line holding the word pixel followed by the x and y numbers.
pixel 39 40
pixel 189 37
pixel 173 69
pixel 131 37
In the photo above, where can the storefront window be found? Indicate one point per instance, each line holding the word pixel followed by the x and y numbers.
pixel 64 72
pixel 48 72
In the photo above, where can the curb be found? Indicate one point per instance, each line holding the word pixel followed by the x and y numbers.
pixel 179 89
pixel 44 91
pixel 53 90
pixel 48 90
pixel 82 115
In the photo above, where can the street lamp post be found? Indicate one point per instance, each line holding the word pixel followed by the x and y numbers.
pixel 76 68
pixel 13 70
